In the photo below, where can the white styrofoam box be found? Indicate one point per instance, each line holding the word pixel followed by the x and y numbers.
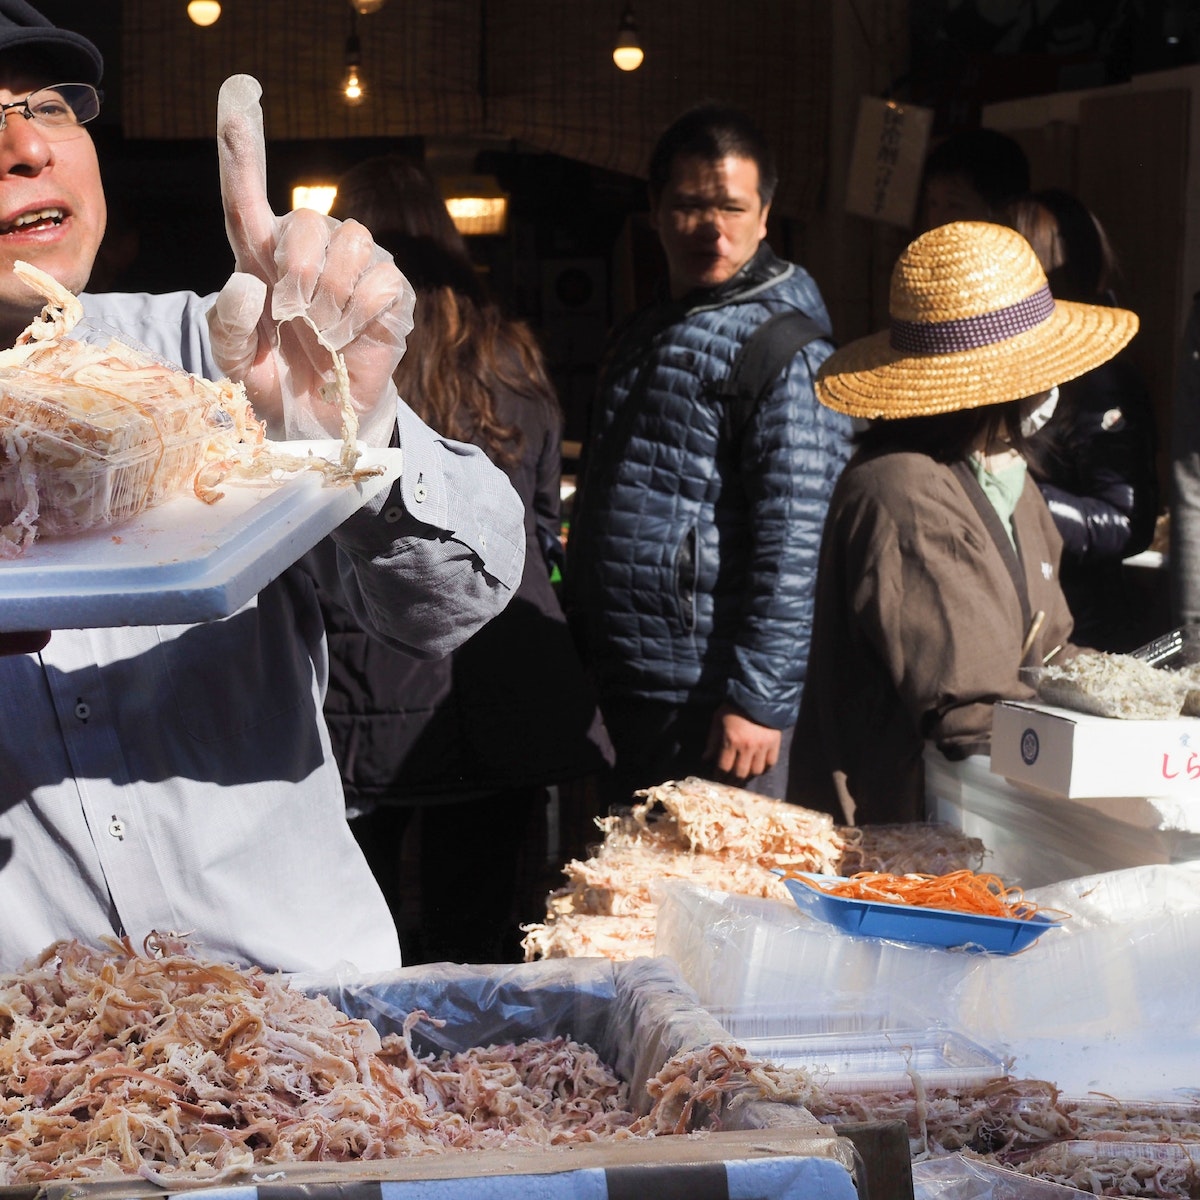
pixel 1075 754
pixel 185 561
pixel 1033 839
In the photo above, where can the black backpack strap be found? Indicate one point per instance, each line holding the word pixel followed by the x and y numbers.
pixel 758 363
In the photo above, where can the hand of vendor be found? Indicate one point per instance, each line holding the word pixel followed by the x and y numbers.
pixel 305 286
pixel 740 747
pixel 23 643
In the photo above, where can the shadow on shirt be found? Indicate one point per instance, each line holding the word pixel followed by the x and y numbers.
pixel 226 703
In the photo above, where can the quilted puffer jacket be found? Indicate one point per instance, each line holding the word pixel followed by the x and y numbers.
pixel 693 548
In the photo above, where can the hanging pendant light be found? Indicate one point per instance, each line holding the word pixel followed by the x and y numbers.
pixel 628 53
pixel 477 205
pixel 365 8
pixel 353 88
pixel 203 12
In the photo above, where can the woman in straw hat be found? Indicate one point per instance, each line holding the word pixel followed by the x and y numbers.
pixel 938 576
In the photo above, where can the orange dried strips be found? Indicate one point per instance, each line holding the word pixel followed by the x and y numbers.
pixel 959 891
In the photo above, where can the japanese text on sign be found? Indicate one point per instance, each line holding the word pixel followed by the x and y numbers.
pixel 889 151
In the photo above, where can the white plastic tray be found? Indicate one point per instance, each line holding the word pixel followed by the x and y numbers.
pixel 184 561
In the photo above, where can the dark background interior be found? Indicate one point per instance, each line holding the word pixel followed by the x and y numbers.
pixel 554 263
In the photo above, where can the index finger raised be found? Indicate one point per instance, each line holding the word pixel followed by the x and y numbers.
pixel 242 156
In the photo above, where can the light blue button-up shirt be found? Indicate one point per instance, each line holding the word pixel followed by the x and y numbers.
pixel 180 778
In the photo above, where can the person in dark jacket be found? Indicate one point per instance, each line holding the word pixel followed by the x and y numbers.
pixel 972 175
pixel 457 754
pixel 1184 556
pixel 1095 458
pixel 692 553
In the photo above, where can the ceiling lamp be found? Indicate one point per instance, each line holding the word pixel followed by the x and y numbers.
pixel 203 12
pixel 477 205
pixel 317 196
pixel 366 7
pixel 628 53
pixel 353 89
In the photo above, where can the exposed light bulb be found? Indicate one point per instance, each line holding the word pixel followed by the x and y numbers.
pixel 365 7
pixel 353 88
pixel 203 12
pixel 628 53
pixel 628 58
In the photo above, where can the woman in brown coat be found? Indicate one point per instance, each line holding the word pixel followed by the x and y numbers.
pixel 938 576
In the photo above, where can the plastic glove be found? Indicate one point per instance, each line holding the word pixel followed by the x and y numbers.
pixel 307 289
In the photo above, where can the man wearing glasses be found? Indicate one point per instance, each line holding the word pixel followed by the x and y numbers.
pixel 179 779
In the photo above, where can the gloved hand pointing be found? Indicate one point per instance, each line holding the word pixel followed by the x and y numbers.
pixel 305 287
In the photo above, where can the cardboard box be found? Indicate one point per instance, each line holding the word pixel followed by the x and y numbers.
pixel 789 1164
pixel 1074 754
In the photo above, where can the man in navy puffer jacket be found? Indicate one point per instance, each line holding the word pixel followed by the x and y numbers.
pixel 693 548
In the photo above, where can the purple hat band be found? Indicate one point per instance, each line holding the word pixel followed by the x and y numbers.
pixel 971 333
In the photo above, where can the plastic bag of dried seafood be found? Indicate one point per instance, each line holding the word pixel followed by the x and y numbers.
pixel 956 1177
pixel 635 1014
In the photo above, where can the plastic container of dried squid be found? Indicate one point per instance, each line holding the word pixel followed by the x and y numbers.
pixel 73 458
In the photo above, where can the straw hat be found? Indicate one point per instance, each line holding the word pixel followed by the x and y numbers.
pixel 972 323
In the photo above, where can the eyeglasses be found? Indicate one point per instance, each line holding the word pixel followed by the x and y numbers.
pixel 58 110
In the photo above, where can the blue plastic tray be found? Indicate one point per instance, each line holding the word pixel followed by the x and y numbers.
pixel 908 923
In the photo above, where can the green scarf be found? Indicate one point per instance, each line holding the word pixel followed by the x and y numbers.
pixel 1003 489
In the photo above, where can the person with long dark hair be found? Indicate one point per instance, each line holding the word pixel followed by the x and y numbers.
pixel 938 577
pixel 456 755
pixel 1094 459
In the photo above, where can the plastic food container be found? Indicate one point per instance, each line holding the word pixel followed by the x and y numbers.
pixel 863 1051
pixel 884 1061
pixel 78 458
pixel 911 923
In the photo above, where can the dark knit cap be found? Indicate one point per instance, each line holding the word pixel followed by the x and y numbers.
pixel 71 54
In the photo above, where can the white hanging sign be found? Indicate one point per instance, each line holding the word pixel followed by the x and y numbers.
pixel 889 152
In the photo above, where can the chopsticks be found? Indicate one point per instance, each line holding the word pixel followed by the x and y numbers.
pixel 1035 625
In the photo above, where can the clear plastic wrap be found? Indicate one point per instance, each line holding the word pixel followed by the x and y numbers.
pixel 955 1177
pixel 1106 1001
pixel 635 1015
